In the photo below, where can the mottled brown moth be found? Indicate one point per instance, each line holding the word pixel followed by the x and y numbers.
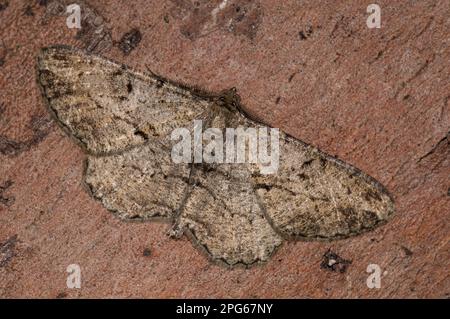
pixel 124 119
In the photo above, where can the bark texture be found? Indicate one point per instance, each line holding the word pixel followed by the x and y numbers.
pixel 378 99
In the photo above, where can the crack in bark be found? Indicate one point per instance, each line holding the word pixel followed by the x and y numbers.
pixel 435 147
pixel 6 200
pixel 40 126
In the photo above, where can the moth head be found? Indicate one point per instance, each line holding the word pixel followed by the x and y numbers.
pixel 229 99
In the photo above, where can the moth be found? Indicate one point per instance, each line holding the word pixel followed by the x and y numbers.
pixel 123 120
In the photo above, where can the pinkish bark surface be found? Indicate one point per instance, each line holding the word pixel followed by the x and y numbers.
pixel 376 98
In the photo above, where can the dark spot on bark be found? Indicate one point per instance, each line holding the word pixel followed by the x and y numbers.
pixel 61 295
pixel 7 250
pixel 344 28
pixel 302 35
pixel 187 34
pixel 147 252
pixel 4 5
pixel 166 18
pixel 291 77
pixel 42 2
pixel 278 100
pixel 448 191
pixel 130 41
pixel 28 11
pixel 4 199
pixel 3 52
pixel 9 146
pixel 333 262
pixel 305 34
pixel 407 251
